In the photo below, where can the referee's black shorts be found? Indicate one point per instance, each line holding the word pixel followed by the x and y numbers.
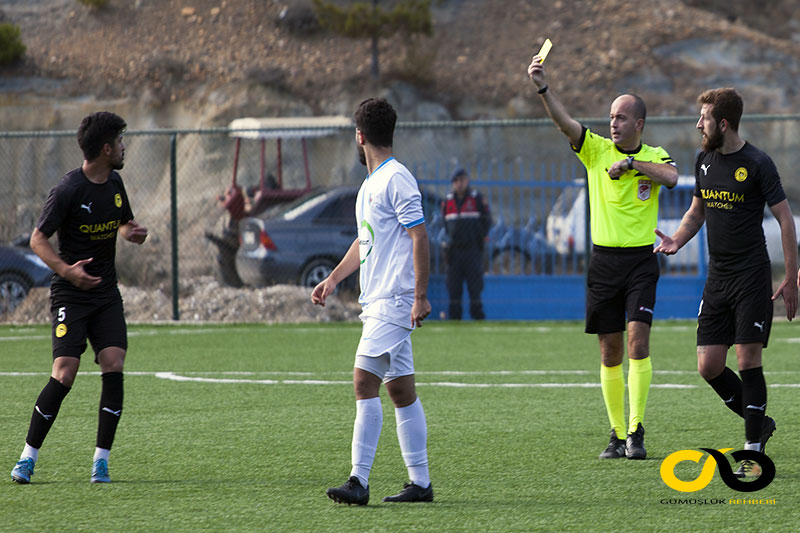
pixel 621 282
pixel 78 315
pixel 736 310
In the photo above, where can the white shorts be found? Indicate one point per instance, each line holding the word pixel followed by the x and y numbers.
pixel 385 350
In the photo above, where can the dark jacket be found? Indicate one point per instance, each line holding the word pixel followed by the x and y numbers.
pixel 466 220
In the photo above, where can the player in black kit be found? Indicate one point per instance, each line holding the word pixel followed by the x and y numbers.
pixel 88 207
pixel 734 180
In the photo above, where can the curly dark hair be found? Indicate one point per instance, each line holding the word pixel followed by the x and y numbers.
pixel 97 130
pixel 375 118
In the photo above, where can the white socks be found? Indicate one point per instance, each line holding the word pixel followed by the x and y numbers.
pixel 28 451
pixel 366 432
pixel 412 432
pixel 754 446
pixel 33 453
pixel 101 453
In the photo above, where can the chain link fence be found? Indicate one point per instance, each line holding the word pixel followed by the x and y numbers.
pixel 177 180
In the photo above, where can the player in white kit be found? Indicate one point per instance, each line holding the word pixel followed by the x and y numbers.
pixel 392 254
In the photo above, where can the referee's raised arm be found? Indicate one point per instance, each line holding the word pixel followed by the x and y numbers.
pixel 555 109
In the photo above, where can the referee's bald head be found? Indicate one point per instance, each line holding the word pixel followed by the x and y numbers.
pixel 638 105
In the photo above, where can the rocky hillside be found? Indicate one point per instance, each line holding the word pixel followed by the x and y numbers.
pixel 219 58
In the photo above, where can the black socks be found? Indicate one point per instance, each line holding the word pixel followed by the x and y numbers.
pixel 747 397
pixel 110 409
pixel 44 413
pixel 754 402
pixel 729 387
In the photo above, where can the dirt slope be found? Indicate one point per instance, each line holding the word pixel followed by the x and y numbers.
pixel 166 49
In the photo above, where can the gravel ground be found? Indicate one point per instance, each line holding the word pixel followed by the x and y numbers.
pixel 206 301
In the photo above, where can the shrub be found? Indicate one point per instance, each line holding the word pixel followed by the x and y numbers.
pixel 93 3
pixel 11 47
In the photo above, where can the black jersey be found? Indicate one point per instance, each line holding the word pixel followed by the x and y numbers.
pixel 734 188
pixel 87 216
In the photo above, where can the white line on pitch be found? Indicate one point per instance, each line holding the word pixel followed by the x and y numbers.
pixel 171 376
pixel 142 333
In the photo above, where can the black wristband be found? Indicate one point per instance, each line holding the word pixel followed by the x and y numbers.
pixel 542 90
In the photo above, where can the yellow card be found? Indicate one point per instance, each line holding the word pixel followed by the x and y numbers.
pixel 545 49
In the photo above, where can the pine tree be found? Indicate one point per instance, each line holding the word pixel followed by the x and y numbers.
pixel 362 20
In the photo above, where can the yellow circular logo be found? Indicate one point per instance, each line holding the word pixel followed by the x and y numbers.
pixel 667 470
pixel 61 330
pixel 118 197
pixel 740 174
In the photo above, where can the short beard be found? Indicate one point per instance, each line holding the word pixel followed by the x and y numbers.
pixel 713 141
pixel 362 156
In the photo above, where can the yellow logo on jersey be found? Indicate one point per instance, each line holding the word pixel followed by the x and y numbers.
pixel 740 174
pixel 118 197
pixel 61 330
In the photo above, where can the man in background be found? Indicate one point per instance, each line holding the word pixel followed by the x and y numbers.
pixel 467 222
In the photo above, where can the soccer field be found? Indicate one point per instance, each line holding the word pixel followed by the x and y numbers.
pixel 243 427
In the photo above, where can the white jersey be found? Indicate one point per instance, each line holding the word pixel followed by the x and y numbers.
pixel 388 202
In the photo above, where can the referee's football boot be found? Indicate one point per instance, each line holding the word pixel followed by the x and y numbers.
pixel 23 471
pixel 412 493
pixel 615 448
pixel 634 447
pixel 352 492
pixel 100 472
pixel 749 468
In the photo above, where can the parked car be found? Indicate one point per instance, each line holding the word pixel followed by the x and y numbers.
pixel 566 229
pixel 237 202
pixel 20 270
pixel 566 222
pixel 300 242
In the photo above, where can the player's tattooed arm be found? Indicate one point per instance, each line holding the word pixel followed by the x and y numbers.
pixel 691 223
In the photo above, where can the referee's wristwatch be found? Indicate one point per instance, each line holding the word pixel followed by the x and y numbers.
pixel 630 161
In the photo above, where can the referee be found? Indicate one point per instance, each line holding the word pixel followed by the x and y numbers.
pixel 87 208
pixel 733 181
pixel 625 177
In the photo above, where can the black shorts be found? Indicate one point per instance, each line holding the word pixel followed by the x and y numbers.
pixel 621 281
pixel 736 310
pixel 77 316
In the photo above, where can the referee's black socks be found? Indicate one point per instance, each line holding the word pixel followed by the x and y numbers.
pixel 110 409
pixel 44 412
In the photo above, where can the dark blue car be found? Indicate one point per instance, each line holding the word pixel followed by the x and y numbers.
pixel 20 270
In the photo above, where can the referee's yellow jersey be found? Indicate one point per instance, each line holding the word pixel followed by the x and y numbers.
pixel 624 211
